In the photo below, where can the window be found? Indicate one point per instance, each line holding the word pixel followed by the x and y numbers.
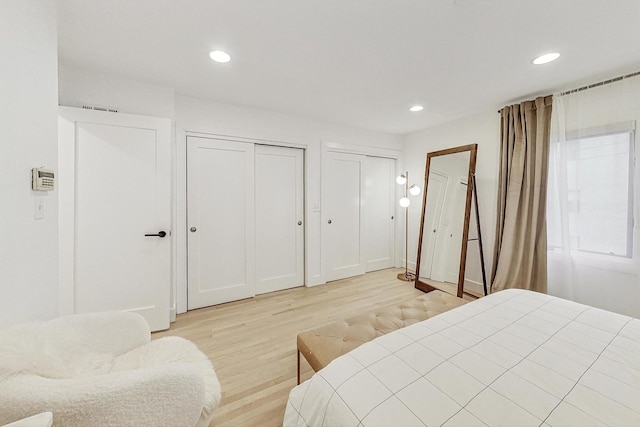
pixel 593 201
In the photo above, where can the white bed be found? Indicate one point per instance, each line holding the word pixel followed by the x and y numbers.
pixel 514 358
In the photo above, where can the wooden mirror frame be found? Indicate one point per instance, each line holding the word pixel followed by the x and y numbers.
pixel 473 150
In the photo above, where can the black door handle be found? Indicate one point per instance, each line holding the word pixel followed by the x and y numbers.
pixel 159 234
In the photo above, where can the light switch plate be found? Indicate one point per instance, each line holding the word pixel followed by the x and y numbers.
pixel 38 209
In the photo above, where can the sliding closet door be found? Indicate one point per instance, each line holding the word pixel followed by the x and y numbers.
pixel 279 189
pixel 343 229
pixel 220 221
pixel 380 187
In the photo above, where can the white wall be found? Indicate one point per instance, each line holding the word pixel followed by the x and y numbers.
pixel 483 129
pixel 28 138
pixel 78 87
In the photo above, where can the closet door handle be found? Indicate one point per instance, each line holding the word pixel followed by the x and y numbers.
pixel 299 222
pixel 329 221
pixel 160 234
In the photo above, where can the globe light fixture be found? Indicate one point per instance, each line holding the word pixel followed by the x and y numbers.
pixel 405 202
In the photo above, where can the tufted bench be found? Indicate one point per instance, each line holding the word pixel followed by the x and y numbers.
pixel 321 345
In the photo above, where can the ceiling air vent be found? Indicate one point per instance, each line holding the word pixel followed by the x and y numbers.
pixel 100 108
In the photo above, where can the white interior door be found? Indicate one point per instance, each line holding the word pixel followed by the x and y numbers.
pixel 343 192
pixel 279 189
pixel 220 221
pixel 436 191
pixel 115 188
pixel 380 187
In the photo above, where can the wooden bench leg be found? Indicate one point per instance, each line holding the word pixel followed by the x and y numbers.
pixel 298 367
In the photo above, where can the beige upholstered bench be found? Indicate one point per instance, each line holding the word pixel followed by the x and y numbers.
pixel 321 345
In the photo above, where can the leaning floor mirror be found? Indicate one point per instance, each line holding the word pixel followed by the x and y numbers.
pixel 444 223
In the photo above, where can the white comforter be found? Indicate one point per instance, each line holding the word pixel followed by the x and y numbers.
pixel 514 358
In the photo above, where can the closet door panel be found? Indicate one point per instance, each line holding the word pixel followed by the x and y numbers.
pixel 343 215
pixel 220 221
pixel 380 187
pixel 279 186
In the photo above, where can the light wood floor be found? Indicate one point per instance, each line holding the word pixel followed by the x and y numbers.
pixel 252 343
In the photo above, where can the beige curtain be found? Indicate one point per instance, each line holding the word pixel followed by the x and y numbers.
pixel 520 248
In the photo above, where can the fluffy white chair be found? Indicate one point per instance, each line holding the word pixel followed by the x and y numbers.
pixel 102 369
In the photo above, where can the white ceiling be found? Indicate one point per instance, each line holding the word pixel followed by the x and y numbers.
pixel 356 62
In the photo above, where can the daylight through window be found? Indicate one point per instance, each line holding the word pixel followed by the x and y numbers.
pixel 593 201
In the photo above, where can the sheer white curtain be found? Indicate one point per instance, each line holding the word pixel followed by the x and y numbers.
pixel 593 195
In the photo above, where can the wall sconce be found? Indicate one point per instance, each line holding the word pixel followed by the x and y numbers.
pixel 413 190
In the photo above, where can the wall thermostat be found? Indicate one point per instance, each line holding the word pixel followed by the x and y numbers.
pixel 42 179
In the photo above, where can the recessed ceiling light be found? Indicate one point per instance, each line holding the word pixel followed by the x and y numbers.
pixel 416 108
pixel 546 58
pixel 219 56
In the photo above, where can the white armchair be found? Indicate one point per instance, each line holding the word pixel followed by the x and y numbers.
pixel 102 369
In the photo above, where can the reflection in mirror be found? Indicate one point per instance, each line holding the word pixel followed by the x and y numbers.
pixel 446 210
pixel 444 217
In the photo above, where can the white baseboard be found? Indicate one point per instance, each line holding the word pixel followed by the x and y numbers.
pixel 473 286
pixel 315 281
